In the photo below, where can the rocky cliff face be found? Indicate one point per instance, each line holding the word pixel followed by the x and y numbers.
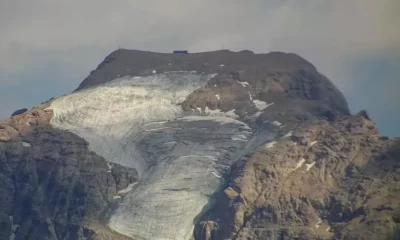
pixel 335 180
pixel 52 186
pixel 217 145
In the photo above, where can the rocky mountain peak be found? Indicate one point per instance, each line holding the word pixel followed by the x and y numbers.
pixel 213 145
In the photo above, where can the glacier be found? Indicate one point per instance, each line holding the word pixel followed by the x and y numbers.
pixel 182 158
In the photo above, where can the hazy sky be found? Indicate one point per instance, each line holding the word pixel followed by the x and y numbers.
pixel 48 47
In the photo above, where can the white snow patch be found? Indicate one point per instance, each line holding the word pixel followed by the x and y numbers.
pixel 117 197
pixel 218 97
pixel 221 65
pixel 180 72
pixel 14 227
pixel 289 134
pixel 26 144
pixel 244 84
pixel 309 166
pixel 109 167
pixel 312 143
pixel 127 189
pixel 231 114
pixel 318 224
pixel 299 163
pixel 222 120
pixel 154 71
pixel 251 97
pixel 276 123
pixel 156 129
pixel 261 105
pixel 217 175
pixel 218 113
pixel 270 144
pixel 239 138
pixel 257 114
pixel 327 229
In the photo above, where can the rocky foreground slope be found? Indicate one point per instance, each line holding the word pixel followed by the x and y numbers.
pixel 217 145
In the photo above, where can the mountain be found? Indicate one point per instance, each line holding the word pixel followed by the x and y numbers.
pixel 214 145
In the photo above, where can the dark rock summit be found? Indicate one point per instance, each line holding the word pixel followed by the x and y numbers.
pixel 18 112
pixel 332 176
pixel 285 78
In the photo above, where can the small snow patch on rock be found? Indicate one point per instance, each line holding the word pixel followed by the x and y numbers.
pixel 328 229
pixel 127 189
pixel 270 144
pixel 309 166
pixel 14 228
pixel 299 163
pixel 318 224
pixel 289 134
pixel 261 105
pixel 26 144
pixel 312 143
pixel 239 138
pixel 109 167
pixel 257 114
pixel 276 123
pixel 244 84
pixel 217 175
pixel 218 113
pixel 218 97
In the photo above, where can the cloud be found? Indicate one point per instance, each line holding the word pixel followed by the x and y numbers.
pixel 316 29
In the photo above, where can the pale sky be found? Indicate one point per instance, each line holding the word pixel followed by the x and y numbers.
pixel 48 47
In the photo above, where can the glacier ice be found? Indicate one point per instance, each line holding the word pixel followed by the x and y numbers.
pixel 181 157
pixel 109 116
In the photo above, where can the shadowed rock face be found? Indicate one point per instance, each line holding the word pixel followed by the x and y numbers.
pixel 216 145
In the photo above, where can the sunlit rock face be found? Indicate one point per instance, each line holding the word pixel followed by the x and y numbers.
pixel 181 156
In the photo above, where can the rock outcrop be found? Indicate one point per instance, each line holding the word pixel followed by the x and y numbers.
pixel 51 185
pixel 326 181
pixel 267 140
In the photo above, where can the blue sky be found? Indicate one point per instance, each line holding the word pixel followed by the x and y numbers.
pixel 48 47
